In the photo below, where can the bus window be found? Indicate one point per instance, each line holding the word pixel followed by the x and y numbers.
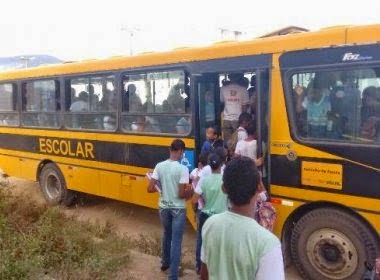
pixel 156 102
pixel 340 105
pixel 8 109
pixel 91 103
pixel 41 102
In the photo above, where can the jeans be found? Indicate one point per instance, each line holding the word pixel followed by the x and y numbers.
pixel 173 221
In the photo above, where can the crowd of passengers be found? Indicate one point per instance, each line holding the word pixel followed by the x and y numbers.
pixel 326 111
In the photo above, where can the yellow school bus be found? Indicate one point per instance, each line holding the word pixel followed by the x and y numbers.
pixel 99 126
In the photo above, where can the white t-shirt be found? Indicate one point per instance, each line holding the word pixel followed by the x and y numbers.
pixel 79 106
pixel 171 173
pixel 247 148
pixel 242 133
pixel 234 97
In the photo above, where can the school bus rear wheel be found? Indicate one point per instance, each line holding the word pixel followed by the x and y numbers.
pixel 329 243
pixel 53 186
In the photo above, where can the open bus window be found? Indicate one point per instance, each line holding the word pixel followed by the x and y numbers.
pixel 156 102
pixel 40 103
pixel 340 105
pixel 91 103
pixel 8 100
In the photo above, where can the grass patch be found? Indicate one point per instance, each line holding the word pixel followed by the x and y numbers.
pixel 147 244
pixel 38 242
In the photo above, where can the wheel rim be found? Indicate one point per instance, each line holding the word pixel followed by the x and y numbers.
pixel 53 185
pixel 332 253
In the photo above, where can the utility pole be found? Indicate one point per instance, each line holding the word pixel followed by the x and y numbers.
pixel 132 32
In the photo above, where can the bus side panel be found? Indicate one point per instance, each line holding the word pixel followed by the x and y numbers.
pixel 283 211
pixel 28 168
pixel 373 219
pixel 81 179
pixel 10 165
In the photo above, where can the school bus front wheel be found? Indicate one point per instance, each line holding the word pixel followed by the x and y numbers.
pixel 53 186
pixel 329 243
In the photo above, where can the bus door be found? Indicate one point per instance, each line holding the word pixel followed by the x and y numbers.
pixel 208 104
pixel 259 105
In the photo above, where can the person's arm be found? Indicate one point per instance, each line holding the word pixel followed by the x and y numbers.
pixel 183 181
pixel 153 180
pixel 195 198
pixel 151 188
pixel 183 193
pixel 204 271
pixel 259 161
pixel 299 95
pixel 238 148
pixel 271 264
pixel 197 192
pixel 245 101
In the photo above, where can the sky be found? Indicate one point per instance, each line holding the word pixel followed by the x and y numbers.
pixel 76 30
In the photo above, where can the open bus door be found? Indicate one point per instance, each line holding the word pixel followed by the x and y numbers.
pixel 207 105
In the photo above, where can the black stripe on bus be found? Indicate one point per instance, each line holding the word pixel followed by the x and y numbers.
pixel 328 56
pixel 139 155
pixel 357 180
pixel 81 166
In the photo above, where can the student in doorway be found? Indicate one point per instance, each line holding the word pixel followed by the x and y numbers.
pixel 173 178
pixel 234 99
pixel 213 139
pixel 234 245
pixel 248 146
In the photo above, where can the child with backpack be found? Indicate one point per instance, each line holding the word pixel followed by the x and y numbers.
pixel 265 213
pixel 215 201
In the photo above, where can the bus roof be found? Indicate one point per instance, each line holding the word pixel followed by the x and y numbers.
pixel 327 37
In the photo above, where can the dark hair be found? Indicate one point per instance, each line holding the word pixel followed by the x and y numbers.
pixel 240 180
pixel 244 117
pixel 203 158
pixel 251 129
pixel 217 130
pixel 221 151
pixel 253 81
pixel 214 161
pixel 177 145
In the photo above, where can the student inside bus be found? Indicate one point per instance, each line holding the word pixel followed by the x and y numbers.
pixel 318 108
pixel 234 100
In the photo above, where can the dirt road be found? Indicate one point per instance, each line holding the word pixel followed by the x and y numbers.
pixel 130 220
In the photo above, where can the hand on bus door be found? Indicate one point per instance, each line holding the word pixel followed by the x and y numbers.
pixel 259 161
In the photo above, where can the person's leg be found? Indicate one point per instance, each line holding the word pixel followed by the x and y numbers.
pixel 198 244
pixel 178 226
pixel 227 130
pixel 202 219
pixel 166 221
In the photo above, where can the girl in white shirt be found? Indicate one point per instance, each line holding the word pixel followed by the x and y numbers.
pixel 248 146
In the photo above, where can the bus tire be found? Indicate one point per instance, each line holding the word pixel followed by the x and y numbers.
pixel 53 186
pixel 328 243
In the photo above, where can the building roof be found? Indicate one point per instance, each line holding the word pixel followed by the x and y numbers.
pixel 286 30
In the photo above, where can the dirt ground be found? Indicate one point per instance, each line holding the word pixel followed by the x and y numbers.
pixel 129 220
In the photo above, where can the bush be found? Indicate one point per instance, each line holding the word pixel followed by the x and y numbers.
pixel 38 242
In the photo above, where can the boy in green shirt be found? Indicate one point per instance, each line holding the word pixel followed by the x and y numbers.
pixel 234 245
pixel 173 178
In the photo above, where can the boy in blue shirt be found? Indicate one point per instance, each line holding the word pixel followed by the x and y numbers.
pixel 213 139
